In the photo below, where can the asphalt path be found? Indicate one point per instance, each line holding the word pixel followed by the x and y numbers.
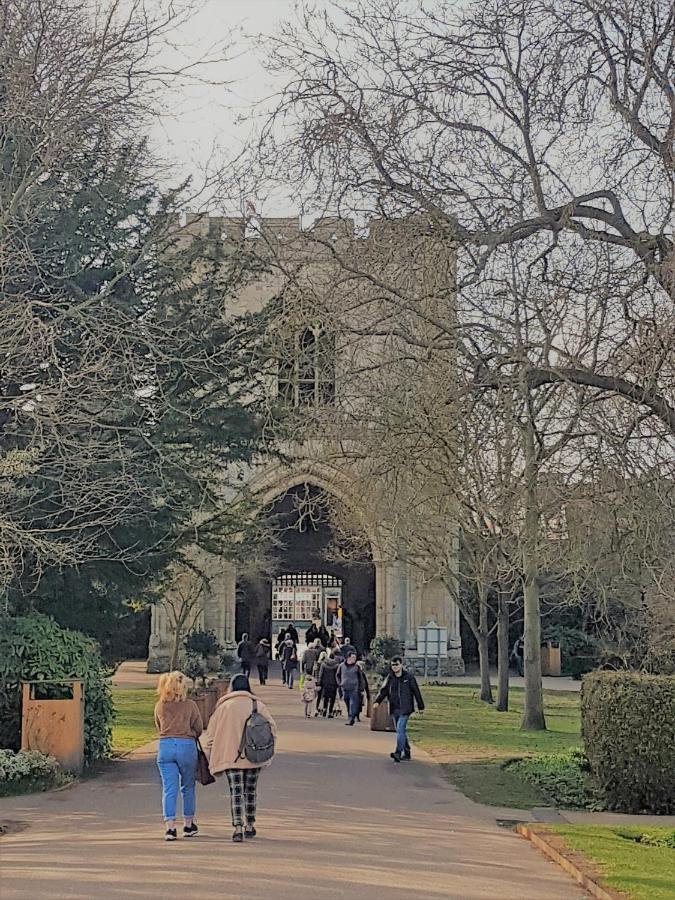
pixel 337 818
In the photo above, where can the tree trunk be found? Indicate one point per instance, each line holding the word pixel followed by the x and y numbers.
pixel 533 715
pixel 483 653
pixel 503 654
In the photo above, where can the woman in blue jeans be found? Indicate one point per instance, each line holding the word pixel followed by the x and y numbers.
pixel 179 723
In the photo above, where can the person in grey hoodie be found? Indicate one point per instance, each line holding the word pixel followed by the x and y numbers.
pixel 349 679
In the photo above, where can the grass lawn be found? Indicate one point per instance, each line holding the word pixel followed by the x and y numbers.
pixel 134 721
pixel 643 872
pixel 457 727
pixel 471 739
pixel 487 782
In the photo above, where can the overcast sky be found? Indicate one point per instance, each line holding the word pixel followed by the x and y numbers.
pixel 200 117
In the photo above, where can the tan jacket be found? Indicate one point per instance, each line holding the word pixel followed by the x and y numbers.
pixel 222 738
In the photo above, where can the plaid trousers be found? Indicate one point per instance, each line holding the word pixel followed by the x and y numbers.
pixel 243 794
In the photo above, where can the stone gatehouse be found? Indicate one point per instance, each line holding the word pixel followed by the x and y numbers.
pixel 329 288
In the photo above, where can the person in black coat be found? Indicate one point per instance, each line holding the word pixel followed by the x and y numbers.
pixel 289 661
pixel 400 688
pixel 292 633
pixel 246 653
pixel 327 681
pixel 263 653
pixel 312 633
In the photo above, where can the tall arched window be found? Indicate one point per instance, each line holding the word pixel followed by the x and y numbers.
pixel 307 371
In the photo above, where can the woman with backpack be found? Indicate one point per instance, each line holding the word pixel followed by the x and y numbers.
pixel 239 741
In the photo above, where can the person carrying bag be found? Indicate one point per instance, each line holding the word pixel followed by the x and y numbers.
pixel 240 742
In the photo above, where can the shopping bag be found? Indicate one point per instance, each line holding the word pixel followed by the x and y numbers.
pixel 204 775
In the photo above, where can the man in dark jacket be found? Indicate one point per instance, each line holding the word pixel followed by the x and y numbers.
pixel 246 653
pixel 401 690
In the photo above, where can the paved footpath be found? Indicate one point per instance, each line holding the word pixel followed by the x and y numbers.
pixel 337 818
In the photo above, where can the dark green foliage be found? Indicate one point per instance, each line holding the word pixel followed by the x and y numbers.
pixel 104 601
pixel 655 837
pixel 628 727
pixel 227 660
pixel 150 387
pixel 382 649
pixel 578 650
pixel 195 668
pixel 563 777
pixel 36 648
pixel 202 643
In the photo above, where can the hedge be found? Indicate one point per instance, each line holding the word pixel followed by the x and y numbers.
pixel 628 728
pixel 35 648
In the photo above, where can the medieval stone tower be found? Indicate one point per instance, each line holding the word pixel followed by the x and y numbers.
pixel 335 322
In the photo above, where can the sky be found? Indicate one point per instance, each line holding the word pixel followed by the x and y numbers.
pixel 199 123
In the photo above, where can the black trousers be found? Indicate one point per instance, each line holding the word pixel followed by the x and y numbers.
pixel 328 694
pixel 262 673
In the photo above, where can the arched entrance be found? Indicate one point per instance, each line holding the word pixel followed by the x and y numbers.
pixel 308 577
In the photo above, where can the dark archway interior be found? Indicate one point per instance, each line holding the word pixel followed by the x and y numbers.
pixel 303 546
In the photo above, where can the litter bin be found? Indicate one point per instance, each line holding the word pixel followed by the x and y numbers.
pixel 550 658
pixel 52 721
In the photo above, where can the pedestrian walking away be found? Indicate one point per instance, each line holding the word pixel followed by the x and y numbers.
pixel 400 688
pixel 327 682
pixel 319 691
pixel 347 647
pixel 289 661
pixel 310 657
pixel 263 652
pixel 237 715
pixel 309 694
pixel 246 654
pixel 349 679
pixel 179 724
pixel 364 692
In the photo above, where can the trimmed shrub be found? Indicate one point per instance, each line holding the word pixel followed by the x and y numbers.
pixel 382 649
pixel 628 728
pixel 563 777
pixel 35 648
pixel 202 643
pixel 26 764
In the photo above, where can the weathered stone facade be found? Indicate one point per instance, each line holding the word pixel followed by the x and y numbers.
pixel 331 276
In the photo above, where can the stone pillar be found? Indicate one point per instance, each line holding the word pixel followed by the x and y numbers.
pixel 380 598
pixel 220 599
pixel 159 649
pixel 397 599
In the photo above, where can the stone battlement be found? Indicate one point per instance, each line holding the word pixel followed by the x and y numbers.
pixel 327 229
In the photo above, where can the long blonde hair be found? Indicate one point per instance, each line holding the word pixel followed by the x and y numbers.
pixel 172 686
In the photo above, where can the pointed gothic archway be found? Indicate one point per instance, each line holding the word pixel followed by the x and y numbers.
pixel 307 579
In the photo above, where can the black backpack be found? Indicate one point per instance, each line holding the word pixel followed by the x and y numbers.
pixel 257 739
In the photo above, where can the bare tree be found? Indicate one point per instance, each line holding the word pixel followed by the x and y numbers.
pixel 544 126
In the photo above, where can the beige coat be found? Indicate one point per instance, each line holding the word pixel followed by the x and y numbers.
pixel 222 738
